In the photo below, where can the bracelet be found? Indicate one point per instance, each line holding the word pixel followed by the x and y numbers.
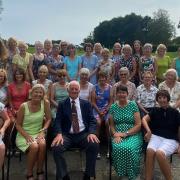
pixel 43 130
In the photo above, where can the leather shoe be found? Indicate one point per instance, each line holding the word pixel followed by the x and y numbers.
pixel 86 177
pixel 66 177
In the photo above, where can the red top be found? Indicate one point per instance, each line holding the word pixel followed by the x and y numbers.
pixel 18 96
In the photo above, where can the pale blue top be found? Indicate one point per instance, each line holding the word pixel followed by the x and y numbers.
pixel 90 63
pixel 72 66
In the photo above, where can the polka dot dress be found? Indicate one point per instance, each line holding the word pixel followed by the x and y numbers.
pixel 126 154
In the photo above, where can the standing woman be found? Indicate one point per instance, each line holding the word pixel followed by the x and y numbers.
pixel 3 127
pixel 37 60
pixel 47 48
pixel 107 65
pixel 42 79
pixel 97 50
pixel 3 87
pixel 125 125
pixel 90 61
pixel 137 53
pixel 58 91
pixel 72 63
pixel 18 92
pixel 3 55
pixel 101 102
pixel 63 48
pixel 85 86
pixel 12 51
pixel 176 63
pixel 147 62
pixel 33 120
pixel 116 58
pixel 22 59
pixel 127 60
pixel 163 62
pixel 54 63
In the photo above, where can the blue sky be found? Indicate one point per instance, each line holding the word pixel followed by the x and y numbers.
pixel 71 20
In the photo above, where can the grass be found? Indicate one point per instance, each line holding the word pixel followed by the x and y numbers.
pixel 80 52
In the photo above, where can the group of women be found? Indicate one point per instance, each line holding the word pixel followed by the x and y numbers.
pixel 122 88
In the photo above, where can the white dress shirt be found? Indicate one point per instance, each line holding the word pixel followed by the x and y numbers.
pixel 80 120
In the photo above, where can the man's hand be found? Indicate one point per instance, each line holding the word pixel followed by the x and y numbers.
pixel 93 138
pixel 58 140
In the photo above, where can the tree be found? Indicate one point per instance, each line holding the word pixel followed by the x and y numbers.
pixel 124 29
pixel 160 29
pixel 88 39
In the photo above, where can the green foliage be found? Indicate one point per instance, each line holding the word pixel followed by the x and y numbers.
pixel 156 30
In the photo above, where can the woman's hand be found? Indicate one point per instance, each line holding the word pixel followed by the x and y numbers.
pixel 117 139
pixel 147 136
pixel 40 137
pixel 29 139
pixel 119 134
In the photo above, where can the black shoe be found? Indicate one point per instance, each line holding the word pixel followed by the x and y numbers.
pixel 66 177
pixel 86 177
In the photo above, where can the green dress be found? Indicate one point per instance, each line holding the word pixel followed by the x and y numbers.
pixel 32 124
pixel 126 154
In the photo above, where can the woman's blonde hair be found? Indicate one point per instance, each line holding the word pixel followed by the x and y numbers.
pixel 22 43
pixel 161 46
pixel 12 40
pixel 43 67
pixel 5 75
pixel 36 86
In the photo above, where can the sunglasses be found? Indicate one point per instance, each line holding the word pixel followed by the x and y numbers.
pixel 62 76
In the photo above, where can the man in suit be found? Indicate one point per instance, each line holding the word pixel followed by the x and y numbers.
pixel 75 125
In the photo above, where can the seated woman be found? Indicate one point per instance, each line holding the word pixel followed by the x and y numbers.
pixel 146 93
pixel 172 85
pixel 33 119
pixel 3 87
pixel 42 79
pixel 125 125
pixel 162 134
pixel 58 91
pixel 4 123
pixel 124 80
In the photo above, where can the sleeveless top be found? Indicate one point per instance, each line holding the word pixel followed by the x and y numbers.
pixel 33 121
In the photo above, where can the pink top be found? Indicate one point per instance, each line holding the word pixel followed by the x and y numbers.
pixel 18 96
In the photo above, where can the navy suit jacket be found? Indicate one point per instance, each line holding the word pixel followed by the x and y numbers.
pixel 63 119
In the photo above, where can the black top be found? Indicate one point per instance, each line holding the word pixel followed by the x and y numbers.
pixel 165 122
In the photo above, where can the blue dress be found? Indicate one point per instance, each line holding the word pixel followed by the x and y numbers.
pixel 102 100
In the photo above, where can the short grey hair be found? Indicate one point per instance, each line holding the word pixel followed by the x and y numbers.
pixel 124 69
pixel 73 82
pixel 84 71
pixel 126 46
pixel 171 70
pixel 147 45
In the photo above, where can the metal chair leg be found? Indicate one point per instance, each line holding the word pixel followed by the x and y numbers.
pixel 3 172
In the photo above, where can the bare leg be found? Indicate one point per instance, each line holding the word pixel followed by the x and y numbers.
pixel 41 155
pixel 150 157
pixel 2 154
pixel 99 123
pixel 164 164
pixel 31 158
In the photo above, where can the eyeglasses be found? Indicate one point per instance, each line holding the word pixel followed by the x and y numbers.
pixel 123 74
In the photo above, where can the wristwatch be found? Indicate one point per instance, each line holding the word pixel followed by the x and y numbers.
pixel 127 133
